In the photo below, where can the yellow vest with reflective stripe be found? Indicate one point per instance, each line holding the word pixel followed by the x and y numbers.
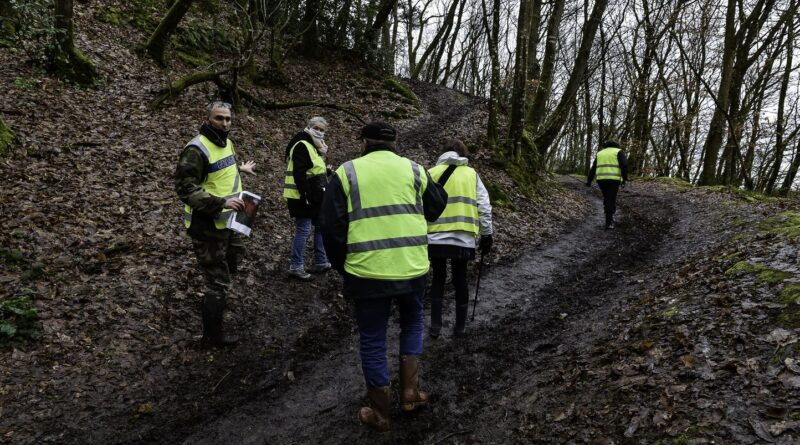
pixel 387 232
pixel 608 165
pixel 461 213
pixel 223 179
pixel 317 168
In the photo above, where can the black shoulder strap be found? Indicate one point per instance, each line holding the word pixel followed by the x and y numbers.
pixel 446 175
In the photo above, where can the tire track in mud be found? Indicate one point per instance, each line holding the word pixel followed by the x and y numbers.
pixel 521 321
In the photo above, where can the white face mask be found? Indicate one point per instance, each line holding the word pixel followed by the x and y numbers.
pixel 315 133
pixel 319 139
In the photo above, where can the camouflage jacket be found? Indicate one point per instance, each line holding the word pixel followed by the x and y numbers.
pixel 189 176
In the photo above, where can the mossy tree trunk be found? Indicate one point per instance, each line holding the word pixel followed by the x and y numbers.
pixel 157 42
pixel 65 59
pixel 6 137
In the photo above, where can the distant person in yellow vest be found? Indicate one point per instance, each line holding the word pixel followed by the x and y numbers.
pixel 207 181
pixel 373 221
pixel 304 185
pixel 453 236
pixel 610 167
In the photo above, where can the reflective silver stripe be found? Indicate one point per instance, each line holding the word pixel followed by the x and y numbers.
pixel 417 181
pixel 355 195
pixel 454 219
pixel 464 199
pixel 289 173
pixel 608 165
pixel 388 243
pixel 290 186
pixel 613 175
pixel 236 182
pixel 197 142
pixel 187 217
pixel 393 209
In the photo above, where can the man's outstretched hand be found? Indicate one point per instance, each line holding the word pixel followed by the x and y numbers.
pixel 248 167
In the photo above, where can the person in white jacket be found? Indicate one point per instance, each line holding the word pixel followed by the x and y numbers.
pixel 467 218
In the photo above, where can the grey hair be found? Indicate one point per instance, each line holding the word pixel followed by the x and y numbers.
pixel 217 104
pixel 317 120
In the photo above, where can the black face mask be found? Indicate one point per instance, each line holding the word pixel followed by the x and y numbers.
pixel 215 135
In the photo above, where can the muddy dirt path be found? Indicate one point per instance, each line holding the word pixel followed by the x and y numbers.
pixel 547 300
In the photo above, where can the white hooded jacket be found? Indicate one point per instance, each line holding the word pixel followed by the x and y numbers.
pixel 460 238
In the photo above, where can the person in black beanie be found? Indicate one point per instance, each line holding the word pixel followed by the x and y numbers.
pixel 374 223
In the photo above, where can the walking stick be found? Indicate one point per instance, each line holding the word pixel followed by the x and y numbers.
pixel 477 286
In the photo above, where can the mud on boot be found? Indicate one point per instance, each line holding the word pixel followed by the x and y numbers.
pixel 411 397
pixel 213 334
pixel 376 415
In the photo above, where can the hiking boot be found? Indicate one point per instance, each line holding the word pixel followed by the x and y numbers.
pixel 300 274
pixel 411 397
pixel 211 310
pixel 320 268
pixel 376 415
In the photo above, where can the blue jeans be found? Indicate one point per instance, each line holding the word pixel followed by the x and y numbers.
pixel 302 231
pixel 372 315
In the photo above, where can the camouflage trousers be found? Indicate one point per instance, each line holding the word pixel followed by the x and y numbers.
pixel 218 259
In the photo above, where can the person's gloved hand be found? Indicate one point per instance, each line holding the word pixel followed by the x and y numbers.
pixel 485 244
pixel 623 184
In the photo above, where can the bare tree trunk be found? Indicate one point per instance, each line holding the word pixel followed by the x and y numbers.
pixel 544 86
pixel 780 141
pixel 452 45
pixel 556 119
pixel 587 103
pixel 371 36
pixel 492 132
pixel 717 128
pixel 517 124
pixel 788 180
pixel 434 43
pixel 157 42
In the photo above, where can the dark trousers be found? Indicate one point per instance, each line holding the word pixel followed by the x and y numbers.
pixel 609 189
pixel 218 259
pixel 458 267
pixel 372 316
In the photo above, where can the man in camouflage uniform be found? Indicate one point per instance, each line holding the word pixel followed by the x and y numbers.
pixel 207 181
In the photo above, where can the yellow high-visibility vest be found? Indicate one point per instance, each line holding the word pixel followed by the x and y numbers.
pixel 387 232
pixel 317 169
pixel 223 179
pixel 608 168
pixel 461 213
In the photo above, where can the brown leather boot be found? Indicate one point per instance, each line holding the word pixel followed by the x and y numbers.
pixel 376 415
pixel 411 397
